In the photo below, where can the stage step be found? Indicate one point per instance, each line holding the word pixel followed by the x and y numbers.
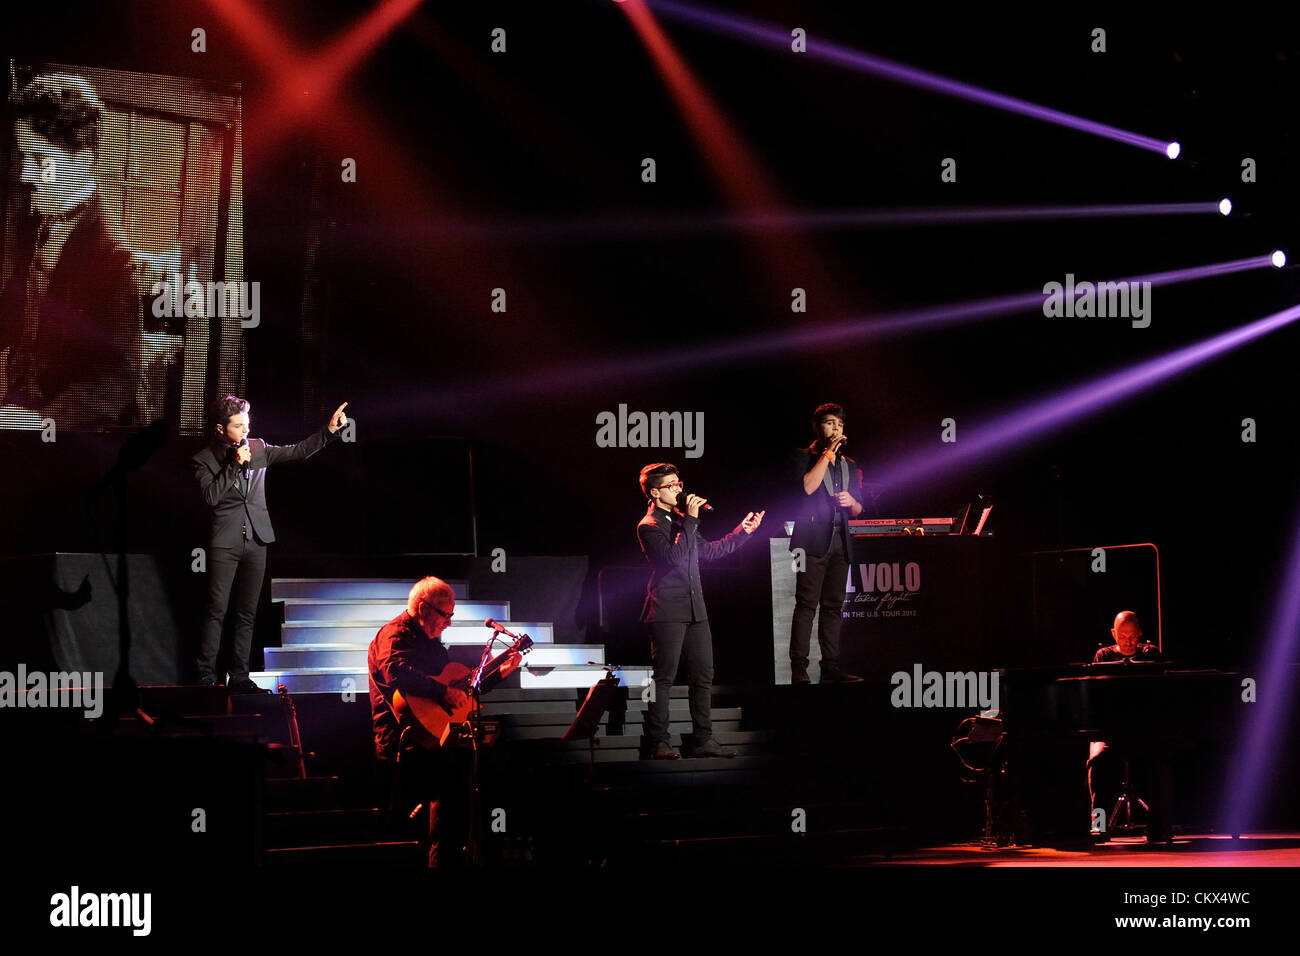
pixel 571 675
pixel 522 714
pixel 706 771
pixel 265 727
pixel 343 588
pixel 747 743
pixel 332 827
pixel 297 656
pixel 402 853
pixel 184 699
pixel 560 696
pixel 375 614
pixel 317 680
pixel 331 680
pixel 360 634
pixel 304 793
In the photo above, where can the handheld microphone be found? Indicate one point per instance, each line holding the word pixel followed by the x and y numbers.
pixel 246 466
pixel 681 506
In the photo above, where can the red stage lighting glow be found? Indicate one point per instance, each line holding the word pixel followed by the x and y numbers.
pixel 789 259
pixel 305 83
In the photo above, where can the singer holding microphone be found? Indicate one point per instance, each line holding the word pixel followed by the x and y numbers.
pixel 831 494
pixel 674 609
pixel 231 472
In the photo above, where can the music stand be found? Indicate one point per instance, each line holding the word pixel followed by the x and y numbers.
pixel 587 721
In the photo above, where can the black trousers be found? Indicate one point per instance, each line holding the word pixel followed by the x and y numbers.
pixel 437 783
pixel 820 585
pixel 671 644
pixel 242 568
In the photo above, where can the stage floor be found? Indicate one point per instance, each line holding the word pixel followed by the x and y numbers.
pixel 1252 849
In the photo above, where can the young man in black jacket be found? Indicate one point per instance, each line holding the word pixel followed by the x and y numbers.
pixel 831 493
pixel 231 473
pixel 674 608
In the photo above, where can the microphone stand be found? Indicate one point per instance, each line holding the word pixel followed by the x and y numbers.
pixel 476 734
pixel 123 699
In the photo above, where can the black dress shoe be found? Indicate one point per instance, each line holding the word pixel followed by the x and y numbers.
pixel 246 686
pixel 800 677
pixel 208 681
pixel 664 752
pixel 836 675
pixel 711 748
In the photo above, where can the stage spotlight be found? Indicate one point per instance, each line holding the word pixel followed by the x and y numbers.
pixel 1225 206
pixel 1279 259
pixel 1172 150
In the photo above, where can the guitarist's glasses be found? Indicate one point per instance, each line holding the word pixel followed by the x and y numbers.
pixel 442 612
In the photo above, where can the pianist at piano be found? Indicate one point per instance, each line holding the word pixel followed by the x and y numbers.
pixel 1106 759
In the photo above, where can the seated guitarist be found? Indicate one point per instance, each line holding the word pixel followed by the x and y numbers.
pixel 407 655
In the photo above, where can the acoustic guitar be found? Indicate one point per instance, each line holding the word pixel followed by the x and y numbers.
pixel 431 721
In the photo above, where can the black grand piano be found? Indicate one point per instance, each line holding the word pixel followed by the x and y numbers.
pixel 1173 717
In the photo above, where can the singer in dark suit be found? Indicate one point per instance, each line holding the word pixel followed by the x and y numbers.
pixel 674 605
pixel 231 473
pixel 830 493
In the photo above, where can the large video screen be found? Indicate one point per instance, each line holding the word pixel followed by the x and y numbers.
pixel 122 292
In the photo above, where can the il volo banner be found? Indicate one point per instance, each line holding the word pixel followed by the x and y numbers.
pixel 883 589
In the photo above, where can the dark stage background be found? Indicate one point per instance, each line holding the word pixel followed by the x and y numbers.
pixel 379 292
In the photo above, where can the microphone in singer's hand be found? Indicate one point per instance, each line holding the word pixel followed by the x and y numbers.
pixel 244 466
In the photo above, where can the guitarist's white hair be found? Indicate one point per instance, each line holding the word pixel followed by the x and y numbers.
pixel 428 590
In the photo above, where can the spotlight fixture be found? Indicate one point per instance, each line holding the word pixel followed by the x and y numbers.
pixel 1279 259
pixel 1225 206
pixel 1172 150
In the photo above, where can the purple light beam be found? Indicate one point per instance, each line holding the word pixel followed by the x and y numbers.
pixel 1019 427
pixel 1244 786
pixel 618 368
pixel 825 219
pixel 741 27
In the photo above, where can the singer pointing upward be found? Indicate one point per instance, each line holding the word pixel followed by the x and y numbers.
pixel 231 473
pixel 674 606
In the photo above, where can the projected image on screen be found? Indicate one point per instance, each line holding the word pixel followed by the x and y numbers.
pixel 119 190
